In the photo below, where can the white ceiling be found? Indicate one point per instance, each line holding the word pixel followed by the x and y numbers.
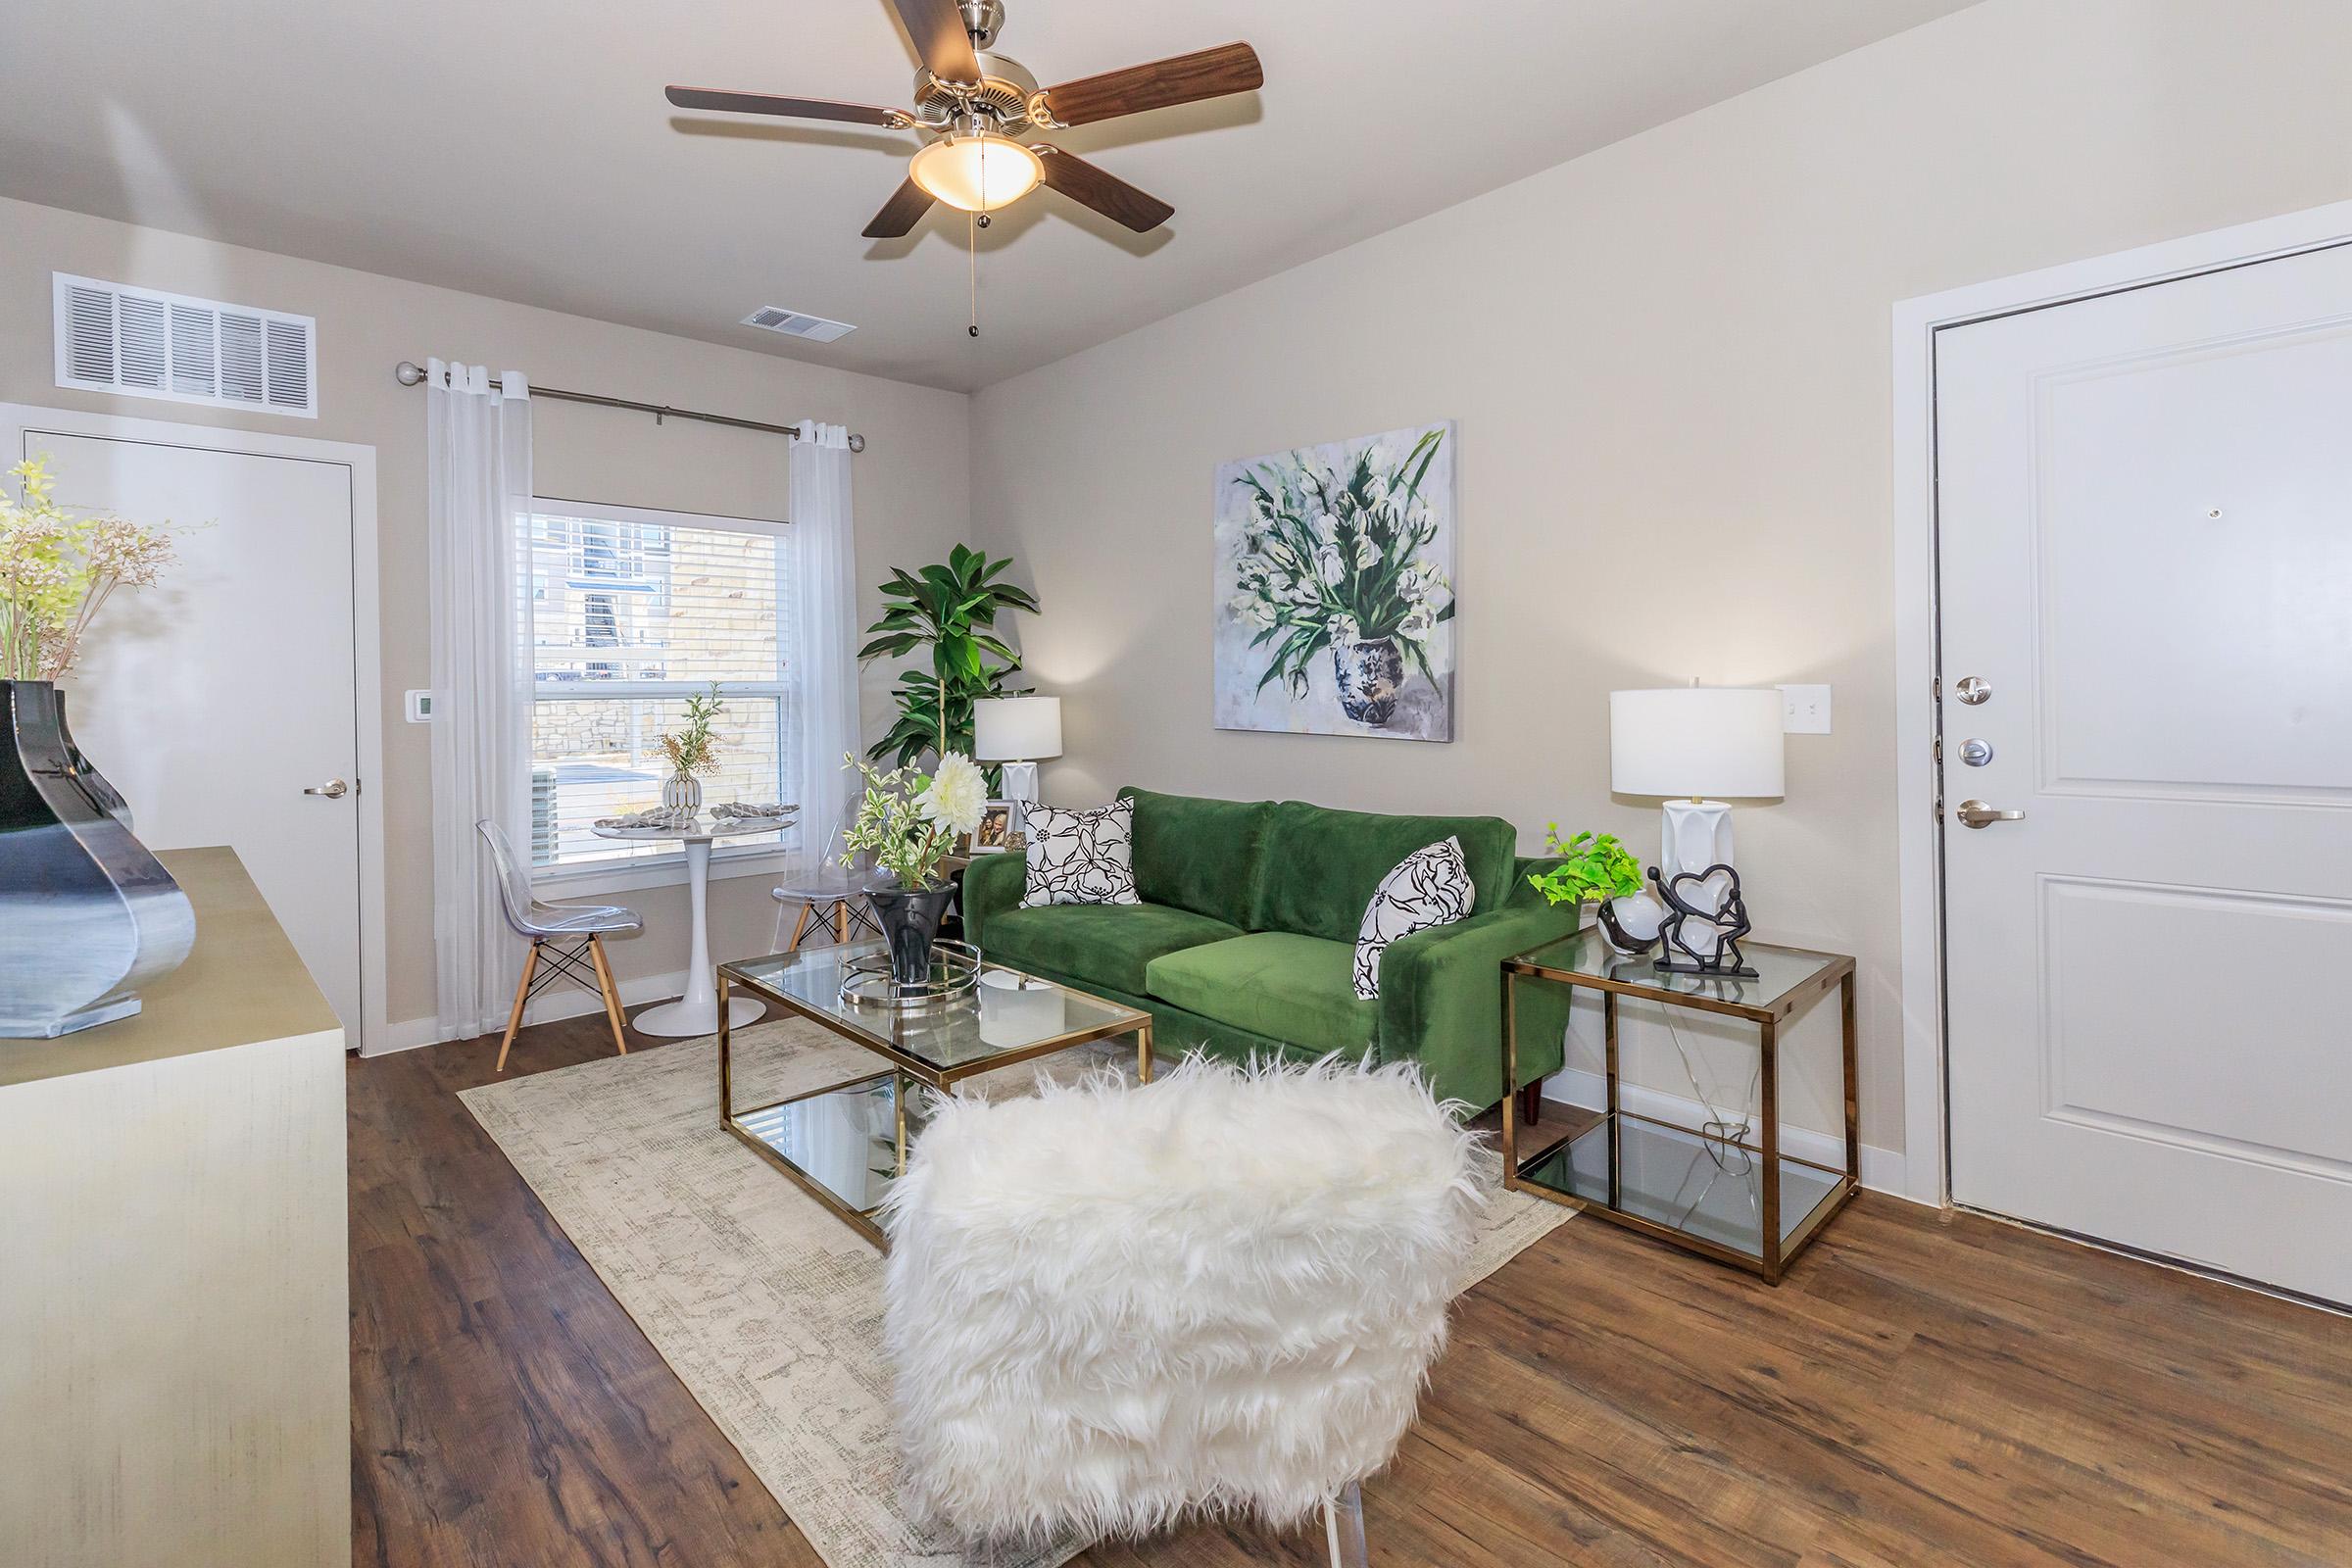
pixel 521 148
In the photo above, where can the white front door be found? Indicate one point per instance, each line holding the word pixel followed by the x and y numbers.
pixel 2146 546
pixel 213 700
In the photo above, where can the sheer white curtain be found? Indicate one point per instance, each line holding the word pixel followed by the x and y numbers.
pixel 824 588
pixel 478 467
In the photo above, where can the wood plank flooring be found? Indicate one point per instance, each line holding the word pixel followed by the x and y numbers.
pixel 1922 1390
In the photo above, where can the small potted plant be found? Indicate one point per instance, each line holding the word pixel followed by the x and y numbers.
pixel 692 751
pixel 909 822
pixel 1595 868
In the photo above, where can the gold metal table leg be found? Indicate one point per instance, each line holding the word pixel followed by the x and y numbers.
pixel 726 1057
pixel 1510 1079
pixel 1770 1140
pixel 1143 1054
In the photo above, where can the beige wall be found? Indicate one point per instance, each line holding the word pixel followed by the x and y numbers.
pixel 1670 363
pixel 911 480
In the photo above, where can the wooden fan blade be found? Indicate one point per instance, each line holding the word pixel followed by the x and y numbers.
pixel 1184 79
pixel 1107 194
pixel 760 103
pixel 936 28
pixel 898 216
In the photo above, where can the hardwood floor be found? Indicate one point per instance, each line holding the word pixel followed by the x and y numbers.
pixel 1921 1390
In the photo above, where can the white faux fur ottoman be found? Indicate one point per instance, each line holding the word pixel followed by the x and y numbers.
pixel 1113 1306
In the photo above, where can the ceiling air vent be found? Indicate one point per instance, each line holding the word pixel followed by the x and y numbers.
pixel 794 323
pixel 153 345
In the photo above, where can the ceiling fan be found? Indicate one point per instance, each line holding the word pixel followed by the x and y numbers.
pixel 973 106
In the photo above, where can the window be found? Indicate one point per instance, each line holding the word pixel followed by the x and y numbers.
pixel 629 614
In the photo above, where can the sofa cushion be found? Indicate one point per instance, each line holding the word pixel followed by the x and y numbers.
pixel 1198 854
pixel 1081 857
pixel 1429 888
pixel 1276 983
pixel 1320 867
pixel 1107 943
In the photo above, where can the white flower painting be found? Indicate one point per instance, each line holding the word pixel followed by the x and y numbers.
pixel 1335 588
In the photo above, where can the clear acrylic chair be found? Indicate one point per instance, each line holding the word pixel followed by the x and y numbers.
pixel 829 895
pixel 567 939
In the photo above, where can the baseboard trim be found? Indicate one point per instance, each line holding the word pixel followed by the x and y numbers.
pixel 414 1034
pixel 1881 1168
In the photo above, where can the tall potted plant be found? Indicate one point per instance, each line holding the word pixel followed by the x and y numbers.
pixel 908 821
pixel 950 610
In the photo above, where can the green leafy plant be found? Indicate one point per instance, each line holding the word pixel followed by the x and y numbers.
pixel 57 571
pixel 951 609
pixel 908 821
pixel 1335 559
pixel 1594 867
pixel 695 749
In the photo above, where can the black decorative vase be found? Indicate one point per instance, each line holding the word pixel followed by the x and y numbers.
pixel 909 919
pixel 86 914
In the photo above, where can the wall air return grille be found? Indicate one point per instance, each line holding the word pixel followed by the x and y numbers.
pixel 796 323
pixel 154 345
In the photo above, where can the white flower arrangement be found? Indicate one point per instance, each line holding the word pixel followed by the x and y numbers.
pixel 909 822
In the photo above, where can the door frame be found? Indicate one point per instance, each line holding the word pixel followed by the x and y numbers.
pixel 1918 634
pixel 367 636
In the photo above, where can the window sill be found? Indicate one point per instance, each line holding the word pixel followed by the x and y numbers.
pixel 665 870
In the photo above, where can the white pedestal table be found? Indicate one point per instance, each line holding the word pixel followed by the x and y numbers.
pixel 697 1012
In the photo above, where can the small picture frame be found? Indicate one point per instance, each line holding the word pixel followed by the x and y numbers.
pixel 994 836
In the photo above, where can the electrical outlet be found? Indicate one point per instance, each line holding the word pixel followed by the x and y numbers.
pixel 1805 709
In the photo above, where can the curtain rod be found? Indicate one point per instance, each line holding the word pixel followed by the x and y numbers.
pixel 411 373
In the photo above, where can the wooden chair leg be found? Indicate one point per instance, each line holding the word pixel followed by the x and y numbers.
pixel 523 992
pixel 603 978
pixel 800 929
pixel 841 921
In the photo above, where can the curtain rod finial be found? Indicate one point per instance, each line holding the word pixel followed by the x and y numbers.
pixel 409 372
pixel 856 443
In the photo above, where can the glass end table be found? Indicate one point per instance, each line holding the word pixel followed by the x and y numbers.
pixel 1709 1191
pixel 844 1143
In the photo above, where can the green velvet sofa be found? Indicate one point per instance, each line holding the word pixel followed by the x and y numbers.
pixel 1244 941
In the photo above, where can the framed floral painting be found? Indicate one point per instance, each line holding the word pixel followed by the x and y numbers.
pixel 1335 588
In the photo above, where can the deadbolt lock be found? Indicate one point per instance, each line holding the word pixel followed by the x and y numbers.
pixel 1973 689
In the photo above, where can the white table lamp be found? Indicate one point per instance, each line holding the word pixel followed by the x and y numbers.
pixel 1687 744
pixel 1019 732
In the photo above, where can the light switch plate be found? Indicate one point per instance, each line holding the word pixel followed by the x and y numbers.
pixel 1805 709
pixel 420 708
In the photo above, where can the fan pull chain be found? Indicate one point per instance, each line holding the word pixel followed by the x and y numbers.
pixel 973 223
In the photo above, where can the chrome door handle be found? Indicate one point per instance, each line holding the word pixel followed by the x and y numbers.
pixel 334 789
pixel 1976 814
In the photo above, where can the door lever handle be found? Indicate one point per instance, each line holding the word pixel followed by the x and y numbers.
pixel 1976 814
pixel 334 789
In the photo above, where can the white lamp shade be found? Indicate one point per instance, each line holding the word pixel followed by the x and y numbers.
pixel 977 174
pixel 1016 729
pixel 1696 740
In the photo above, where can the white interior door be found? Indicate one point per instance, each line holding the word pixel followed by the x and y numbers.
pixel 215 699
pixel 2145 547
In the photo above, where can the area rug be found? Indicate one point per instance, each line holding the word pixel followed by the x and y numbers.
pixel 767 1307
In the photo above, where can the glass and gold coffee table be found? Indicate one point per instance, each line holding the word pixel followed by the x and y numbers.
pixel 845 1142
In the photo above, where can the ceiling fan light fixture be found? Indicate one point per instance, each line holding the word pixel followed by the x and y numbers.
pixel 977 173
